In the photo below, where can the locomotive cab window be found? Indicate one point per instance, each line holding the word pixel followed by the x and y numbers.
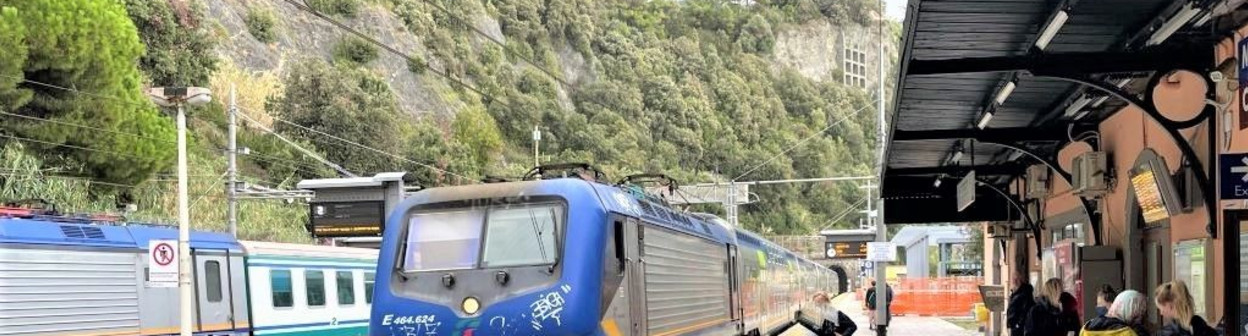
pixel 521 236
pixel 497 236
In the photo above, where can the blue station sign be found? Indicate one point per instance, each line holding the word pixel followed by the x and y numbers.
pixel 1233 176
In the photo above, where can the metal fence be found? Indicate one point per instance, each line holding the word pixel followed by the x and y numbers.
pixel 948 296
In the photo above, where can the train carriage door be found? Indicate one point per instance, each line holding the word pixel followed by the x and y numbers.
pixel 634 277
pixel 734 289
pixel 212 287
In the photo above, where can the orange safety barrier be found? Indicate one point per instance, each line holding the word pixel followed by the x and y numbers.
pixel 949 296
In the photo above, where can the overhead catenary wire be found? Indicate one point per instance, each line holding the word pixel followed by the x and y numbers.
pixel 390 49
pixel 801 142
pixel 842 214
pixel 58 122
pixel 69 177
pixel 502 44
pixel 378 151
pixel 49 143
pixel 309 153
pixel 244 115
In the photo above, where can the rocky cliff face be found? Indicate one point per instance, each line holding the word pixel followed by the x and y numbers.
pixel 819 50
pixel 816 49
pixel 300 34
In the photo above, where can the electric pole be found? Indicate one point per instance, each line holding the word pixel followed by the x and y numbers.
pixel 881 235
pixel 231 189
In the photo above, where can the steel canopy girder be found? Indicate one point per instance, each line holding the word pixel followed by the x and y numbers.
pixel 1171 56
pixel 982 170
pixel 998 135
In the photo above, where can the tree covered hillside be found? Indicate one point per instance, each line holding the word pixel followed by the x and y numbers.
pixel 687 88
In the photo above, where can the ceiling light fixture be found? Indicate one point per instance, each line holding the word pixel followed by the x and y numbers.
pixel 1005 92
pixel 1051 29
pixel 1173 24
pixel 985 119
pixel 1077 105
pixel 1099 101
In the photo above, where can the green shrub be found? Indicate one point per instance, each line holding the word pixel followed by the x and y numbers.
pixel 178 46
pixel 417 64
pixel 262 25
pixel 346 8
pixel 355 50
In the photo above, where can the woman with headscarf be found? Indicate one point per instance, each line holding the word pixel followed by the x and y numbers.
pixel 1047 317
pixel 1177 310
pixel 1124 317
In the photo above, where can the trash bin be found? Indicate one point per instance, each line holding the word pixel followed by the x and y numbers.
pixel 981 313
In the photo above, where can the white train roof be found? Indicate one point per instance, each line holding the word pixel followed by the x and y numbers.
pixel 305 250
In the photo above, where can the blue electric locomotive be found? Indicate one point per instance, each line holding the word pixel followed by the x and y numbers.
pixel 573 256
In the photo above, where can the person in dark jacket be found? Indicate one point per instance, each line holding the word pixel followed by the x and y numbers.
pixel 835 322
pixel 1047 317
pixel 1104 298
pixel 1021 300
pixel 1175 304
pixel 870 303
pixel 1070 313
pixel 1124 317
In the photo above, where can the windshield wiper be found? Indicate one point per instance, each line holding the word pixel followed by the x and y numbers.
pixel 540 244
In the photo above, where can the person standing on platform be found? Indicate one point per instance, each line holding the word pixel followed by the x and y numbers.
pixel 871 305
pixel 1124 317
pixel 1021 300
pixel 1104 298
pixel 1047 317
pixel 836 323
pixel 1070 314
pixel 1177 311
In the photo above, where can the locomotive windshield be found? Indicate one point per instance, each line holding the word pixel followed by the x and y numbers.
pixel 483 237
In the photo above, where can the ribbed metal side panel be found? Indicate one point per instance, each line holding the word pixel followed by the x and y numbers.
pixel 51 292
pixel 686 283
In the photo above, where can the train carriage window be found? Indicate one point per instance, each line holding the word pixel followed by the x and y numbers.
pixel 369 280
pixel 346 287
pixel 315 282
pixel 212 280
pixel 283 295
pixel 522 235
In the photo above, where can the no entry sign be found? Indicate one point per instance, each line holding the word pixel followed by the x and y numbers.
pixel 162 263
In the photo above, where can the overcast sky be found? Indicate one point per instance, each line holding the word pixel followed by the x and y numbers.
pixel 895 9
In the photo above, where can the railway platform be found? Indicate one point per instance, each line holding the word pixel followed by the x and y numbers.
pixel 901 325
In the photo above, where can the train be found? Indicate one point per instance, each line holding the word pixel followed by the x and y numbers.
pixel 63 275
pixel 563 252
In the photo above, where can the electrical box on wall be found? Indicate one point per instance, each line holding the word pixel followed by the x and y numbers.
pixel 1089 176
pixel 1037 181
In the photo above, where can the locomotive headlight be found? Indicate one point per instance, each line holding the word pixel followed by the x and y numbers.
pixel 471 305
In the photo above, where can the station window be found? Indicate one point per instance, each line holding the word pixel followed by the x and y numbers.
pixel 346 287
pixel 1069 231
pixel 369 279
pixel 315 281
pixel 283 294
pixel 212 280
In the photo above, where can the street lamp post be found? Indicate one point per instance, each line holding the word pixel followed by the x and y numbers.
pixel 178 97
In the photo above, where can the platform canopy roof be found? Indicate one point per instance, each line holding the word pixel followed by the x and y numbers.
pixel 940 105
